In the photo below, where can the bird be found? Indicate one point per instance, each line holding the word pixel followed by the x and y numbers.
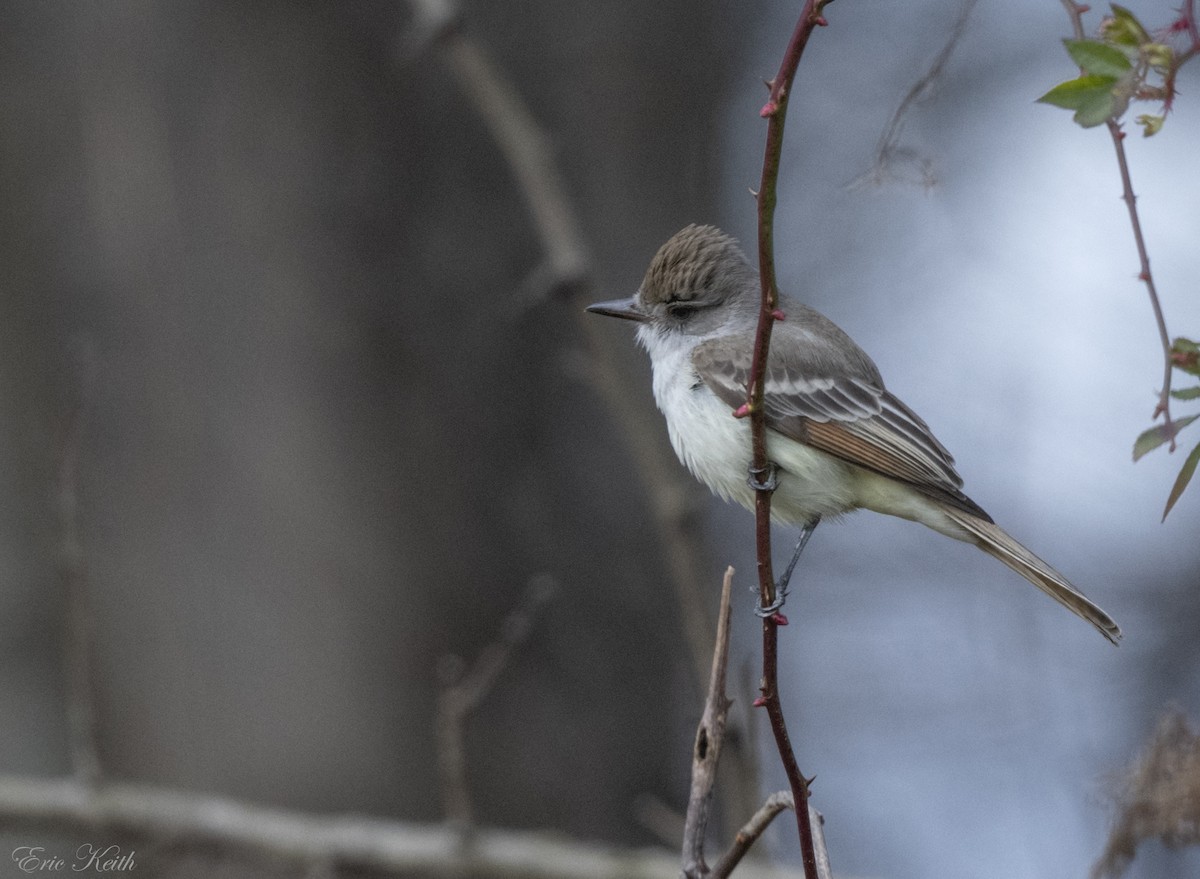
pixel 838 440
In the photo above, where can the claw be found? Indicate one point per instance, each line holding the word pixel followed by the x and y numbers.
pixel 772 609
pixel 757 481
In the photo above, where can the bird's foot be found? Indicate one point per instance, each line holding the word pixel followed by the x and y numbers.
pixel 763 478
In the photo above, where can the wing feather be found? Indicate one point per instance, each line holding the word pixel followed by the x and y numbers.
pixel 841 408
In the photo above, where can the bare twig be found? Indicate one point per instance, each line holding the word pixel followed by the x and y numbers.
pixel 566 268
pixel 77 658
pixel 706 755
pixel 464 688
pixel 751 831
pixel 889 152
pixel 775 112
pixel 525 148
pixel 1075 12
pixel 817 820
pixel 757 825
pixel 352 841
pixel 1186 23
pixel 1164 400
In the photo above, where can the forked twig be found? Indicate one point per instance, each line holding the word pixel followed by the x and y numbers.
pixel 889 150
pixel 710 734
pixel 463 688
pixel 757 825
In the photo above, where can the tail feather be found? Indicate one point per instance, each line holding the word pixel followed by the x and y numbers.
pixel 993 540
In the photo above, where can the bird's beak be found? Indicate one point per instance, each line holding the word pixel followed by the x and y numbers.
pixel 623 308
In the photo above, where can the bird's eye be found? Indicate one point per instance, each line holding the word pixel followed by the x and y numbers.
pixel 681 310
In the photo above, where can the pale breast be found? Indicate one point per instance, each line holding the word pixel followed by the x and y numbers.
pixel 715 447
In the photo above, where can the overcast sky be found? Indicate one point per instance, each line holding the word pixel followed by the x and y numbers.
pixel 959 723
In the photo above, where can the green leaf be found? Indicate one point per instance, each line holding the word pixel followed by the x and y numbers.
pixel 1123 28
pixel 1185 355
pixel 1098 112
pixel 1151 125
pixel 1091 97
pixel 1186 393
pixel 1182 480
pixel 1098 58
pixel 1075 94
pixel 1154 437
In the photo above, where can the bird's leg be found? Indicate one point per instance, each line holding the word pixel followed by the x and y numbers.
pixel 781 588
pixel 763 478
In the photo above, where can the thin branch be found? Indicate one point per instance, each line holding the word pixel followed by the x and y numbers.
pixel 1186 23
pixel 757 826
pixel 1164 400
pixel 464 688
pixel 525 148
pixel 392 847
pixel 706 755
pixel 889 150
pixel 817 820
pixel 1075 13
pixel 751 831
pixel 1190 24
pixel 567 268
pixel 775 112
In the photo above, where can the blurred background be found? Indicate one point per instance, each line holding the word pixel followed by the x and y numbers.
pixel 288 384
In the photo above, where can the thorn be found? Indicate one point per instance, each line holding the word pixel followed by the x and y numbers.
pixel 769 109
pixel 808 782
pixel 820 21
pixel 753 192
pixel 760 702
pixel 742 411
pixel 769 83
pixel 779 619
pixel 1120 135
pixel 1083 8
pixel 778 314
pixel 1143 276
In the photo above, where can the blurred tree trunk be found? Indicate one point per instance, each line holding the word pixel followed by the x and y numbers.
pixel 329 440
